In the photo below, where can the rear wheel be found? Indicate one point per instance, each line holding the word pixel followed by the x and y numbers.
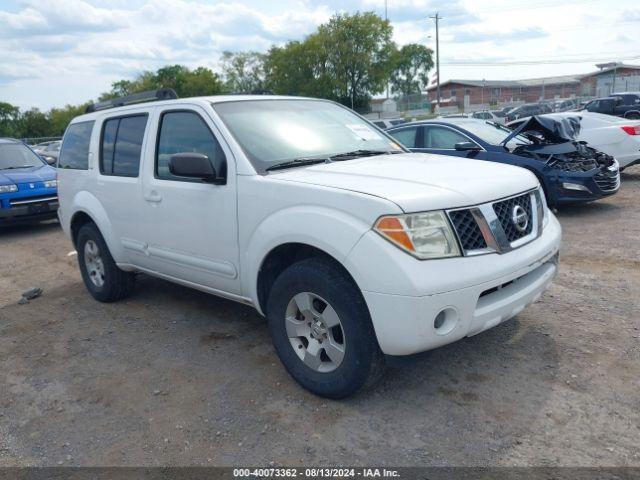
pixel 102 277
pixel 321 329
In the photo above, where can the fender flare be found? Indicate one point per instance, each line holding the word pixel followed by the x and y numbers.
pixel 332 231
pixel 87 203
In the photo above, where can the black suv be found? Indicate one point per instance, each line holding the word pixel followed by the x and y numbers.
pixel 626 104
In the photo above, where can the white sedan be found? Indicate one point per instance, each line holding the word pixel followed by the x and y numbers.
pixel 615 136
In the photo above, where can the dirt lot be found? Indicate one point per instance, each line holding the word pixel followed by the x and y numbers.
pixel 177 377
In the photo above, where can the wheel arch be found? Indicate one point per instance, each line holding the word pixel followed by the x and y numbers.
pixel 78 220
pixel 87 208
pixel 282 257
pixel 292 234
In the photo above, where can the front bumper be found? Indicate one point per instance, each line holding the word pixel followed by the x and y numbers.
pixel 405 295
pixel 39 209
pixel 593 186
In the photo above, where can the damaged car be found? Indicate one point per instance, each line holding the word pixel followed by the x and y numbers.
pixel 570 171
pixel 614 136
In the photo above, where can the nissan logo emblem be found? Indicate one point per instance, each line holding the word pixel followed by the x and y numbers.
pixel 520 218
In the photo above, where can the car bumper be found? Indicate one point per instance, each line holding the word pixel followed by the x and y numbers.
pixel 474 293
pixel 587 187
pixel 29 212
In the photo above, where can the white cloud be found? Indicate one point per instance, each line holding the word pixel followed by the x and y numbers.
pixel 69 51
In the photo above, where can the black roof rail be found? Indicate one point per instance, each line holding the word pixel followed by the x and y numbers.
pixel 149 96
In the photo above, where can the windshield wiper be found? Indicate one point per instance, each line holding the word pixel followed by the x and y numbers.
pixel 362 153
pixel 298 162
pixel 15 167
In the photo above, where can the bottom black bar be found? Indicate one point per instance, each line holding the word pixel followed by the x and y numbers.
pixel 426 473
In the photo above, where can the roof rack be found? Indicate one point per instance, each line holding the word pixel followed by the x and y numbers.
pixel 149 96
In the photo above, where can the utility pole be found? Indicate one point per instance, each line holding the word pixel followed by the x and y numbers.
pixel 437 18
pixel 386 18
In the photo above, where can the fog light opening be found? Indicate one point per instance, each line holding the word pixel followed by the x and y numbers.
pixel 445 321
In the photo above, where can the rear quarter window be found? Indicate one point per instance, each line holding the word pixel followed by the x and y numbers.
pixel 121 145
pixel 74 153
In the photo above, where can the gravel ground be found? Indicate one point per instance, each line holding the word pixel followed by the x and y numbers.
pixel 176 377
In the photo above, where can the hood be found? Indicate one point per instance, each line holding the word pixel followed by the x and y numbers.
pixel 552 130
pixel 27 175
pixel 418 181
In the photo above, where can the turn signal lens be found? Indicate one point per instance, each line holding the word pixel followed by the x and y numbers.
pixel 424 235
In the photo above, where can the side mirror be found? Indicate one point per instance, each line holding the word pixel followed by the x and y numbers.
pixel 49 160
pixel 194 165
pixel 467 147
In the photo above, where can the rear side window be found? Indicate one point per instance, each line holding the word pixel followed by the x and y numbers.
pixel 74 153
pixel 121 145
pixel 442 138
pixel 186 132
pixel 406 136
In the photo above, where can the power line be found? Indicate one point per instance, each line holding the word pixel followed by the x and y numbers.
pixel 534 6
pixel 464 63
pixel 568 56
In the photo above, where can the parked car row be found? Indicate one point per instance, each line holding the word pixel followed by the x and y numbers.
pixel 510 113
pixel 49 151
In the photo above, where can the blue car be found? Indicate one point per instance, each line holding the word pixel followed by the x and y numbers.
pixel 28 185
pixel 570 172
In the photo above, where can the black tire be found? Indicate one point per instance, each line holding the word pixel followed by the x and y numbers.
pixel 362 362
pixel 117 284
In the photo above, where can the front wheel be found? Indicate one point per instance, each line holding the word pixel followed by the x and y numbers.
pixel 321 329
pixel 102 277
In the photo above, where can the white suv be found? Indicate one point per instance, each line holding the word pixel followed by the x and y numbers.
pixel 348 244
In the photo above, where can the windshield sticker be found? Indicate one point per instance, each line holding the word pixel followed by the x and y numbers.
pixel 364 132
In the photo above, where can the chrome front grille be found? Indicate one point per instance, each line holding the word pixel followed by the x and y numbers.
pixel 608 181
pixel 501 226
pixel 504 210
pixel 468 231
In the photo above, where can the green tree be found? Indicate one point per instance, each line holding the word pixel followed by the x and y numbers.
pixel 199 82
pixel 359 49
pixel 300 68
pixel 186 82
pixel 243 72
pixel 59 118
pixel 33 123
pixel 411 65
pixel 9 115
pixel 348 59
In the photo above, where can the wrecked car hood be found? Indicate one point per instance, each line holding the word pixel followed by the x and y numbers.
pixel 552 130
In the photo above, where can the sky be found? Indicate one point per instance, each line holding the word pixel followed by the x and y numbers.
pixel 57 52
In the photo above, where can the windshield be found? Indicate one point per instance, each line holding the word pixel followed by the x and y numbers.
pixel 17 155
pixel 276 131
pixel 495 134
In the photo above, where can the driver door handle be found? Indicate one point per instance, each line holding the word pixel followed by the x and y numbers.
pixel 153 197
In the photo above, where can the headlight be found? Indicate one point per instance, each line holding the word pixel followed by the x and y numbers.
pixel 51 184
pixel 545 209
pixel 423 235
pixel 8 188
